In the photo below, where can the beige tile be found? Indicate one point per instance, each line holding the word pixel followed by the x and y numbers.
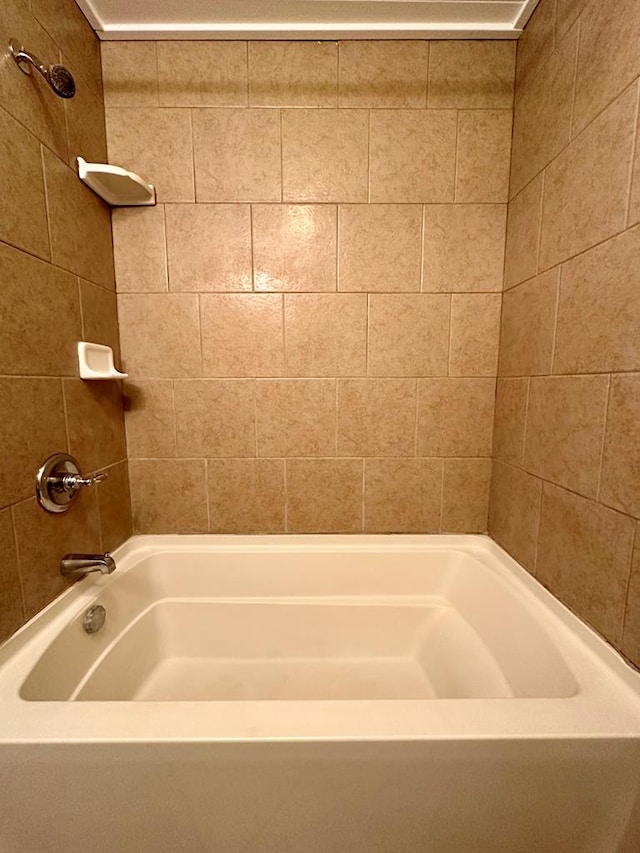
pixel 11 611
pixel 86 127
pixel 463 247
pixel 471 74
pixel 185 512
pixel 79 224
pixel 584 557
pixel 296 417
pixel 159 335
pixel 620 482
pixel 510 417
pixel 114 507
pixel 380 247
pixel 565 428
pixel 324 495
pixel 542 115
pixel 536 44
pixel 631 634
pixel 465 495
pixel 326 334
pixel 23 213
pixel 608 58
pixel 150 418
pixel 324 155
pixel 129 73
pixel 293 74
pixel 408 334
pixel 246 495
pixel 31 429
pixel 28 98
pixel 566 13
pixel 44 538
pixel 99 319
pixel 139 249
pixel 242 334
pixel 528 324
pixel 209 247
pixel 215 417
pixel 594 166
pixel 475 334
pixel 383 73
pixel 599 309
pixel 455 417
pixel 237 155
pixel 376 417
pixel 514 512
pixel 412 155
pixel 205 74
pixel 402 495
pixel 156 144
pixel 32 294
pixel 95 422
pixel 523 234
pixel 483 156
pixel 294 247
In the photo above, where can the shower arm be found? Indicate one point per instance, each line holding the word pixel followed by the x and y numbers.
pixel 21 57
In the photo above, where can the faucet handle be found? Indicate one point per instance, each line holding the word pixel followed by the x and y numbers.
pixel 59 481
pixel 71 482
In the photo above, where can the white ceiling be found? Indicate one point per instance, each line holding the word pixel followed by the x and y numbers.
pixel 306 19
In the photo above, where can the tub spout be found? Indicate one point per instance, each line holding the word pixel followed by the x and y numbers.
pixel 73 565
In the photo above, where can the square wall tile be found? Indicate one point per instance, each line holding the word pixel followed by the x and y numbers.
pixel 242 334
pixel 537 43
pixel 326 334
pixel 139 249
pixel 186 512
pixel 95 422
pixel 150 418
pixel 528 326
pixel 483 156
pixel 114 507
pixel 510 419
pixel 471 74
pixel 376 417
pixel 294 247
pixel 237 155
pixel 412 155
pixel 523 234
pixel 408 334
pixel 620 483
pixel 11 610
pixel 325 155
pixel 215 417
pixel 99 319
pixel 455 417
pixel 157 145
pixel 296 417
pixel 465 495
pixel 160 335
pixel 293 74
pixel 402 495
pixel 246 495
pixel 584 557
pixel 324 495
pixel 463 247
pixel 380 247
pixel 565 429
pixel 86 126
pixel 514 512
pixel 475 334
pixel 202 74
pixel 209 247
pixel 383 73
pixel 129 73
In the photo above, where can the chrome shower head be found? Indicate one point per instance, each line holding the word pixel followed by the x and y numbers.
pixel 59 78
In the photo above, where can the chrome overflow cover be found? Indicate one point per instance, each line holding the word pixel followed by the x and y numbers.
pixel 94 618
pixel 59 481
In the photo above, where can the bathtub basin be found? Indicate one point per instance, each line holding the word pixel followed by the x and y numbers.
pixel 317 693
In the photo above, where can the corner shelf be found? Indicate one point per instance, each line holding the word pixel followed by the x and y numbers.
pixel 115 185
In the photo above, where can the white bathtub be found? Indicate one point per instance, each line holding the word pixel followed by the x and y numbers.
pixel 357 694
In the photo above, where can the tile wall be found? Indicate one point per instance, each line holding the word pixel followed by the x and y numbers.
pixel 56 287
pixel 310 316
pixel 565 497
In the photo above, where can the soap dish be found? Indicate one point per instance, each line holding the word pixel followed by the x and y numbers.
pixel 96 362
pixel 117 186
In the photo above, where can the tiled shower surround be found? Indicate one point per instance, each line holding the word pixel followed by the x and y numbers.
pixel 310 316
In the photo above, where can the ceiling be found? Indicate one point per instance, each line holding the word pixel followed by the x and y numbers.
pixel 306 19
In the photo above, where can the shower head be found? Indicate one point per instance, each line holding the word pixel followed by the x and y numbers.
pixel 59 78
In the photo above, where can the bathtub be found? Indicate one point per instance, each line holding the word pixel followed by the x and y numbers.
pixel 356 694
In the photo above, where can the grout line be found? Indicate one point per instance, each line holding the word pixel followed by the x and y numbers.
pixel 540 219
pixel 574 85
pixel 534 568
pixel 363 506
pixel 335 441
pixel 251 249
pixel 369 158
pixel 199 312
pixel 80 301
pixel 247 52
pixel 635 543
pixel 16 546
pixel 428 80
pixel 166 248
pixel 285 360
pixel 634 152
pixel 526 420
pixel 450 341
pixel 157 63
pixel 455 165
pixel 367 343
pixel 280 111
pixel 338 244
pixel 206 493
pixel 66 416
pixel 555 321
pixel 255 416
pixel 415 423
pixel 193 155
pixel 47 207
pixel 423 229
pixel 604 436
pixel 286 496
pixel 338 97
pixel 175 416
pixel 440 525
